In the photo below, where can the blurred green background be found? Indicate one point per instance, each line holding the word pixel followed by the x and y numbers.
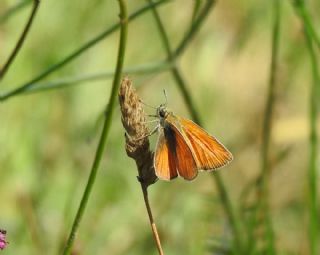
pixel 48 139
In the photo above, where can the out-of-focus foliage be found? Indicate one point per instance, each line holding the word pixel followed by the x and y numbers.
pixel 48 139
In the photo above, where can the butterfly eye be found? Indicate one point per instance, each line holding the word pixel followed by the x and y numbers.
pixel 162 113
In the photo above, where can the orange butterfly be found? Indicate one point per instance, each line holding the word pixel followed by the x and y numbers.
pixel 183 148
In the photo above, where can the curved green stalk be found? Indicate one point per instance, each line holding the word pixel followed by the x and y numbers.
pixel 76 53
pixel 81 79
pixel 189 103
pixel 196 8
pixel 14 9
pixel 307 20
pixel 106 126
pixel 194 28
pixel 312 37
pixel 313 139
pixel 263 200
pixel 172 55
pixel 262 213
pixel 21 40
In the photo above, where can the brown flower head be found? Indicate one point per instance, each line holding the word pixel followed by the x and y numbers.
pixel 137 142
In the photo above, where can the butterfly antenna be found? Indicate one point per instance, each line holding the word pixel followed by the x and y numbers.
pixel 165 96
pixel 147 104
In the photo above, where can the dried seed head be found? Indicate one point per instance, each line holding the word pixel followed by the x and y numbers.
pixel 133 120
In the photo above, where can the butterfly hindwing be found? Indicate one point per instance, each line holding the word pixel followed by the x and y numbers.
pixel 164 161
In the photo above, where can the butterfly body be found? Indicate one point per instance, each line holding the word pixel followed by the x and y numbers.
pixel 184 148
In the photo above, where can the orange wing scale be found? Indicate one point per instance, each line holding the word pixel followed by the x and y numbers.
pixel 184 159
pixel 184 148
pixel 174 156
pixel 208 151
pixel 164 162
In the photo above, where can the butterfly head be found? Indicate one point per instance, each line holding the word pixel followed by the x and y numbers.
pixel 162 111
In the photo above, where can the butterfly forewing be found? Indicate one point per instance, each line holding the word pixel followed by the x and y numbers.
pixel 208 151
pixel 164 161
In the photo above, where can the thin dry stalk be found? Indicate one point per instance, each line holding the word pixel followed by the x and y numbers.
pixel 133 120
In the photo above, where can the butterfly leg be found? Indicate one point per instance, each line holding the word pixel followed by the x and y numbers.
pixel 156 128
pixel 150 121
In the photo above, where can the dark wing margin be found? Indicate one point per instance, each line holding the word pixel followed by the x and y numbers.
pixel 209 152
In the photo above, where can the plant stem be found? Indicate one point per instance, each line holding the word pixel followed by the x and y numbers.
pixel 171 56
pixel 262 199
pixel 76 53
pixel 196 8
pixel 195 26
pixel 78 80
pixel 21 40
pixel 106 126
pixel 181 83
pixel 267 130
pixel 152 223
pixel 188 99
pixel 307 21
pixel 311 36
pixel 312 173
pixel 18 6
pixel 33 222
pixel 228 208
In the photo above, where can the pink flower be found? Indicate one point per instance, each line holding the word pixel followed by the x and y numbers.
pixel 3 242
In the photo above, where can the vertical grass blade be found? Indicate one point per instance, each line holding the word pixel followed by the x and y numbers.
pixel 189 103
pixel 313 144
pixel 106 127
pixel 267 130
pixel 311 40
pixel 261 218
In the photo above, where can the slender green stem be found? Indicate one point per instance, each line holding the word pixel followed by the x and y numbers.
pixel 181 83
pixel 173 55
pixel 21 40
pixel 179 50
pixel 188 99
pixel 263 200
pixel 67 211
pixel 164 37
pixel 312 173
pixel 78 80
pixel 17 7
pixel 307 20
pixel 262 204
pixel 194 28
pixel 106 126
pixel 311 37
pixel 77 52
pixel 229 210
pixel 33 222
pixel 195 11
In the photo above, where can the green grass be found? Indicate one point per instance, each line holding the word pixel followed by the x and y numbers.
pixel 222 65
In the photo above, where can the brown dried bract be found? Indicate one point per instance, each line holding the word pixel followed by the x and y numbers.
pixel 133 120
